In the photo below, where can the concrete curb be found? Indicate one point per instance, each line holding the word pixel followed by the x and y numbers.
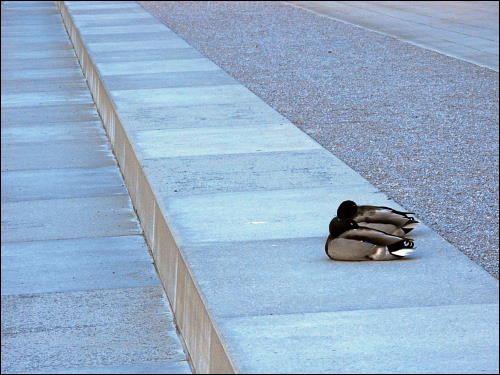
pixel 204 345
pixel 218 340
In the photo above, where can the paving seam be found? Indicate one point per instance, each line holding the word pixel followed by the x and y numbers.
pixel 135 177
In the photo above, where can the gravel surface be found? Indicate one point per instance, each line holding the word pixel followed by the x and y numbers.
pixel 420 126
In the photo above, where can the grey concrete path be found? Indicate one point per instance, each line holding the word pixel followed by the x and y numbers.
pixel 404 117
pixel 467 30
pixel 235 202
pixel 79 291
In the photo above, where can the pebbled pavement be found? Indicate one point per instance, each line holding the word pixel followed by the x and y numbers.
pixel 420 126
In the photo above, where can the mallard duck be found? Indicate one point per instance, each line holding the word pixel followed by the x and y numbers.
pixel 350 241
pixel 396 222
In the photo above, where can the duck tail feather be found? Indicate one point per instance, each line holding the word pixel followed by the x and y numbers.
pixel 398 212
pixel 403 252
pixel 406 243
pixel 410 224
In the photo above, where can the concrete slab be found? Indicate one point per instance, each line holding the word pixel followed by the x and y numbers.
pixel 40 85
pixel 108 30
pixel 158 66
pixel 32 99
pixel 32 20
pixel 118 10
pixel 171 79
pixel 26 32
pixel 200 116
pixel 81 264
pixel 68 218
pixel 70 73
pixel 119 21
pixel 259 215
pixel 104 17
pixel 87 329
pixel 98 6
pixel 138 45
pixel 23 4
pixel 182 96
pixel 54 115
pixel 132 36
pixel 247 171
pixel 35 38
pixel 83 3
pixel 79 3
pixel 41 12
pixel 37 63
pixel 76 131
pixel 399 341
pixel 35 46
pixel 66 154
pixel 61 183
pixel 216 141
pixel 241 279
pixel 146 55
pixel 168 367
pixel 19 54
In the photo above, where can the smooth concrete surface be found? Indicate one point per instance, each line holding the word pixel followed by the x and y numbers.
pixel 402 341
pixel 47 63
pixel 217 141
pixel 82 329
pixel 168 66
pixel 308 282
pixel 102 263
pixel 45 155
pixel 35 85
pixel 42 73
pixel 167 367
pixel 43 134
pixel 55 115
pixel 462 29
pixel 20 54
pixel 146 55
pixel 235 203
pixel 60 183
pixel 183 96
pixel 203 174
pixel 200 116
pixel 168 79
pixel 45 98
pixel 80 293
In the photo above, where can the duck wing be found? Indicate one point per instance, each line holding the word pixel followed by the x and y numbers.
pixel 384 227
pixel 382 214
pixel 373 236
pixel 390 209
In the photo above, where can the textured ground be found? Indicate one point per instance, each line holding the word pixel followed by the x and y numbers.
pixel 420 126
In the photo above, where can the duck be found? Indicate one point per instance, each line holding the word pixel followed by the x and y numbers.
pixel 381 218
pixel 350 241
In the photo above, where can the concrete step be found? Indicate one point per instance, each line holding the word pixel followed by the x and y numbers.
pixel 235 202
pixel 79 291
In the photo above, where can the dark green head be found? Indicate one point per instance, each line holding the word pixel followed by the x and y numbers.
pixel 339 226
pixel 347 210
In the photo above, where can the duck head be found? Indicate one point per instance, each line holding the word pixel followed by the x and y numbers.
pixel 339 226
pixel 347 210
